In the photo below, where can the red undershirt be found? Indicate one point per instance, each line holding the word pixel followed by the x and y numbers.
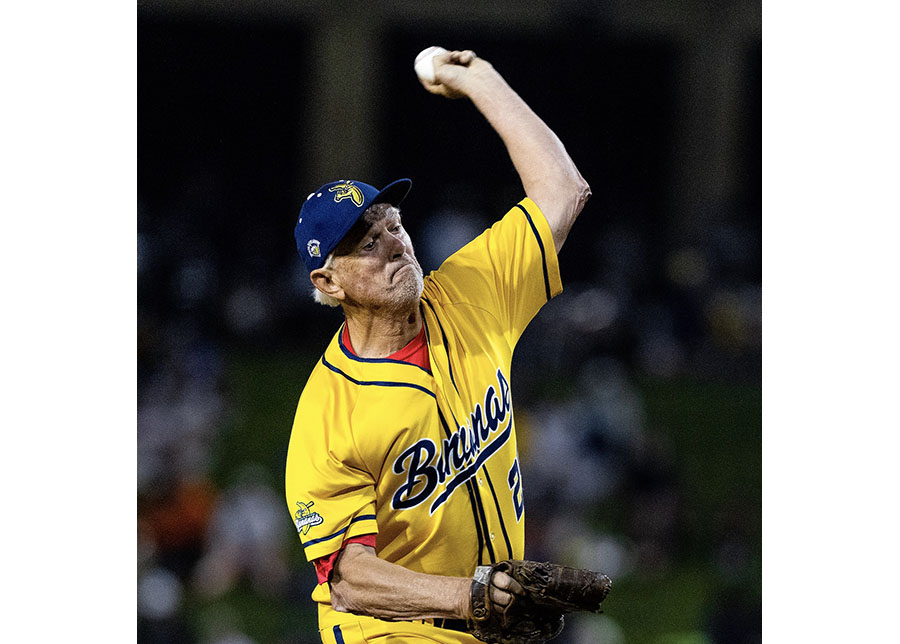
pixel 416 353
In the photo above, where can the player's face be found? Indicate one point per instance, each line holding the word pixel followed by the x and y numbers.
pixel 376 266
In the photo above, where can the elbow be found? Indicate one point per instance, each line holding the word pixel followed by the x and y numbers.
pixel 348 588
pixel 562 215
pixel 576 194
pixel 343 599
pixel 347 598
pixel 581 192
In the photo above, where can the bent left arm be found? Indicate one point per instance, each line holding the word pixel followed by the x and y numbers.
pixel 366 585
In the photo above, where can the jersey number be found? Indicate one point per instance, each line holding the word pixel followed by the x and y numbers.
pixel 515 484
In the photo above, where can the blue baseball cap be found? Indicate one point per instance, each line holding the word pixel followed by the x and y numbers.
pixel 330 212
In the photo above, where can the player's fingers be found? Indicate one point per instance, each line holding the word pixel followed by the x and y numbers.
pixel 504 582
pixel 463 58
pixel 434 88
pixel 445 57
pixel 501 597
pixel 439 89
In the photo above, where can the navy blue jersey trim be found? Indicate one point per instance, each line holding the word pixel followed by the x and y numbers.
pixel 377 383
pixel 541 246
pixel 355 357
pixel 470 488
pixel 446 344
pixel 338 636
pixel 499 513
pixel 361 517
pixel 481 513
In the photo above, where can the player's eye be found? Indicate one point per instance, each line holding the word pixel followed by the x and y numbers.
pixel 370 245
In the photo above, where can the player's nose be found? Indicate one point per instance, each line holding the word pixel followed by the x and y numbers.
pixel 396 245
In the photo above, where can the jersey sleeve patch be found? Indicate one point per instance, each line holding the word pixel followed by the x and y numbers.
pixel 304 518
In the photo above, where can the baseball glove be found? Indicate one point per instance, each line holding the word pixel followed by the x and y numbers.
pixel 544 592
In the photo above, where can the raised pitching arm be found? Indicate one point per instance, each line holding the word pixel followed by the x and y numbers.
pixel 548 174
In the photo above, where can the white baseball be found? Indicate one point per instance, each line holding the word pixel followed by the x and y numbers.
pixel 425 63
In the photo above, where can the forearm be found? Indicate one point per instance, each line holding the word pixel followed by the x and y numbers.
pixel 548 174
pixel 366 585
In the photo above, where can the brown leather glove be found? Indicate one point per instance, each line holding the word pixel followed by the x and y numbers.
pixel 548 591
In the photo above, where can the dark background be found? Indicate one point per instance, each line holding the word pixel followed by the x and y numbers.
pixel 638 390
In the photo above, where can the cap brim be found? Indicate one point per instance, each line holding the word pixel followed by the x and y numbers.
pixel 393 193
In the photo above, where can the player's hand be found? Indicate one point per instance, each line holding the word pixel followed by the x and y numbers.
pixel 504 588
pixel 455 72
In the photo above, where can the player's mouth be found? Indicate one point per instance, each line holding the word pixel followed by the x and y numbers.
pixel 407 265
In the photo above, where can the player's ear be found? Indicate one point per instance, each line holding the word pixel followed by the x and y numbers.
pixel 323 280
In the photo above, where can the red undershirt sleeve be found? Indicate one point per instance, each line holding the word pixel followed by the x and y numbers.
pixel 324 565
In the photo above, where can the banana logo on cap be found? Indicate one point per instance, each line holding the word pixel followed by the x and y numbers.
pixel 347 190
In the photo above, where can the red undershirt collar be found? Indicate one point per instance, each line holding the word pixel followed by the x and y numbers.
pixel 416 352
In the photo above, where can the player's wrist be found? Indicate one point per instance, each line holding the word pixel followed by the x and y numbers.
pixel 481 78
pixel 464 599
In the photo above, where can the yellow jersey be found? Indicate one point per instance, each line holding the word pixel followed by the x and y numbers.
pixel 427 460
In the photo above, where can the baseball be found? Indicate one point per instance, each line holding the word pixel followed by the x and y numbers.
pixel 425 64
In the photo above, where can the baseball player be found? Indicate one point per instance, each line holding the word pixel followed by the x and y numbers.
pixel 402 472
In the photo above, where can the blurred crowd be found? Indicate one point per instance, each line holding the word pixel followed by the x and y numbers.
pixel 585 441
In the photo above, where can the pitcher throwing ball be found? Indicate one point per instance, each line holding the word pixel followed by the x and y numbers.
pixel 403 477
